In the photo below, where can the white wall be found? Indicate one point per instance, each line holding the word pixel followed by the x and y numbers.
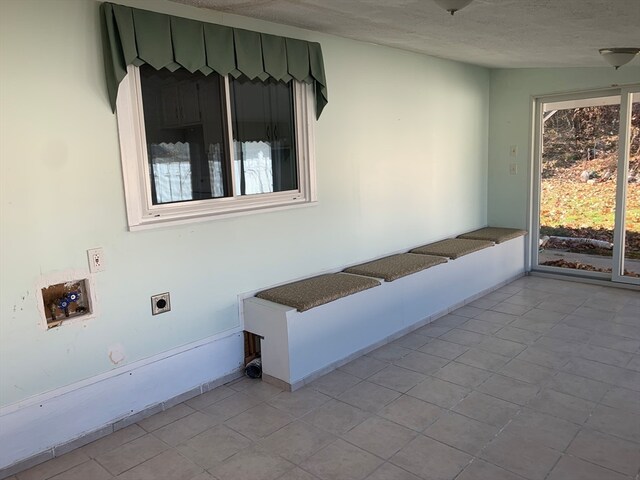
pixel 402 160
pixel 510 124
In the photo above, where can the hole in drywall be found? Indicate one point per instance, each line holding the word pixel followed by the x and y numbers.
pixel 64 301
pixel 251 347
pixel 252 356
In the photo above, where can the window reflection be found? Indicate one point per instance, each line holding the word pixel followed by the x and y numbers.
pixel 171 171
pixel 185 134
pixel 264 136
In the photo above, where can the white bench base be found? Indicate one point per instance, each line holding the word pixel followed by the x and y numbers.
pixel 299 347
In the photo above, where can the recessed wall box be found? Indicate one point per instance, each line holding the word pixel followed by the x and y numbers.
pixel 66 300
pixel 160 303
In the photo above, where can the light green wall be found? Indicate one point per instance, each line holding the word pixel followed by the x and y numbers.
pixel 510 124
pixel 401 159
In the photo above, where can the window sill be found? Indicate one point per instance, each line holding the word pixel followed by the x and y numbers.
pixel 160 222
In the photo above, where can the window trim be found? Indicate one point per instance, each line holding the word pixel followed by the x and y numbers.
pixel 142 214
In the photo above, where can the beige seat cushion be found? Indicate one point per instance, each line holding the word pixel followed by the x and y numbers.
pixel 396 266
pixel 453 247
pixel 316 291
pixel 494 234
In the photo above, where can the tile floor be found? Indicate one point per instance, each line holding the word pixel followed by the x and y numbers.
pixel 538 380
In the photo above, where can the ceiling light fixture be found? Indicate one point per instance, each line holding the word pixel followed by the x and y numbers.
pixel 618 57
pixel 452 6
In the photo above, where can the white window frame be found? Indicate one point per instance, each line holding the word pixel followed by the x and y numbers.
pixel 143 214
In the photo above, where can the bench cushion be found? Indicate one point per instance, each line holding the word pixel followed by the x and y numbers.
pixel 315 291
pixel 494 234
pixel 396 266
pixel 453 247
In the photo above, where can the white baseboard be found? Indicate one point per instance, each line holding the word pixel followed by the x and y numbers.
pixel 49 424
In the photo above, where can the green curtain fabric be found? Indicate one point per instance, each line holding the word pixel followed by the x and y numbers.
pixel 136 37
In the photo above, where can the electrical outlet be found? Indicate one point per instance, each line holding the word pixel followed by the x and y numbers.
pixel 96 260
pixel 160 303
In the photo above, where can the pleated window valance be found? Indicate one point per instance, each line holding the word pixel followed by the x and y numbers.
pixel 137 37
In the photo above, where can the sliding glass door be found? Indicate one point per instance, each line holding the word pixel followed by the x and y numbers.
pixel 587 185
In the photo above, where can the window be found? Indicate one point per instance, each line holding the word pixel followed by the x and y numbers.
pixel 195 146
pixel 215 142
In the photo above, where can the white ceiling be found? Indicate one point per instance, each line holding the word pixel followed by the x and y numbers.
pixel 492 33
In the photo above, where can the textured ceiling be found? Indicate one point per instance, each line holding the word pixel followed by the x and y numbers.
pixel 493 33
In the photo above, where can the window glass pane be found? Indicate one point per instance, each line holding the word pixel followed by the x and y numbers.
pixel 263 136
pixel 185 134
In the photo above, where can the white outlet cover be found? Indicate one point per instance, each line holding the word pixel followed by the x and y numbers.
pixel 96 259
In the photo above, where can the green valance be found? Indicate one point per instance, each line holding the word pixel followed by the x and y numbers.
pixel 137 37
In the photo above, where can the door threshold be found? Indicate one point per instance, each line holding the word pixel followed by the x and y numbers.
pixel 581 279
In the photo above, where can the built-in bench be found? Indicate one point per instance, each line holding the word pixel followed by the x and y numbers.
pixel 311 326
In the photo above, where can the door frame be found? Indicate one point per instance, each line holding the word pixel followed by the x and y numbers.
pixel 538 101
pixel 624 154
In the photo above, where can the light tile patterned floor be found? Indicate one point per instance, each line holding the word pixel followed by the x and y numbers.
pixel 538 380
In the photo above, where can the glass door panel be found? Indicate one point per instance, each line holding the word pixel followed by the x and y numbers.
pixel 631 193
pixel 578 184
